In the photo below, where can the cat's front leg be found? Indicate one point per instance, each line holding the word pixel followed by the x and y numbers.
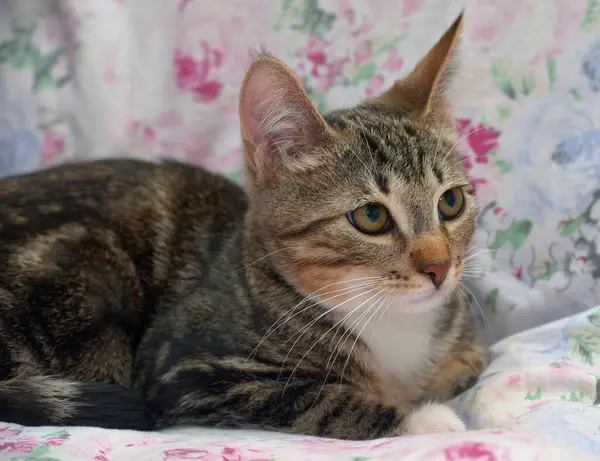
pixel 457 374
pixel 238 399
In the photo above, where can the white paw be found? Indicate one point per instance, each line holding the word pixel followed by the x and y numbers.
pixel 433 417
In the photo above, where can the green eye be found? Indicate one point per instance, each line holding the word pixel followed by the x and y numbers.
pixel 370 219
pixel 451 204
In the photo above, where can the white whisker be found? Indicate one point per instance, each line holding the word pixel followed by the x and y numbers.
pixel 357 337
pixel 314 345
pixel 464 287
pixel 463 138
pixel 440 137
pixel 260 259
pixel 365 281
pixel 314 321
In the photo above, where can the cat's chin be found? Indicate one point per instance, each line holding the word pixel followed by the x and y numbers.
pixel 417 302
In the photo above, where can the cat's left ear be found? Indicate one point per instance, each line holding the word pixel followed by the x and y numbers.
pixel 421 92
pixel 281 128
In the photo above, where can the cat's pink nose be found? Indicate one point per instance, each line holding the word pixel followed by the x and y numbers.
pixel 437 272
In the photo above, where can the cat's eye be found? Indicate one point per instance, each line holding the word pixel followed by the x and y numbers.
pixel 451 204
pixel 372 219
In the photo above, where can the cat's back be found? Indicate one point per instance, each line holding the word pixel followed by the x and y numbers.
pixel 141 205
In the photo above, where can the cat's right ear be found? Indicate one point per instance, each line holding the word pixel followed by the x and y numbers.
pixel 421 92
pixel 280 125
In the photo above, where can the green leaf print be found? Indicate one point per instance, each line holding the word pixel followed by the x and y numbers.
pixel 44 67
pixel 56 435
pixel 536 396
pixel 20 52
pixel 507 84
pixel 594 318
pixel 551 67
pixel 503 166
pixel 305 16
pixel 586 346
pixel 39 454
pixel 502 79
pixel 360 458
pixel 516 235
pixel 389 45
pixel 492 299
pixel 573 397
pixel 503 112
pixel 569 227
pixel 575 93
pixel 365 72
pixel 528 85
pixel 592 14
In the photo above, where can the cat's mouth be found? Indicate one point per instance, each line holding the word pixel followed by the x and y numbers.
pixel 422 295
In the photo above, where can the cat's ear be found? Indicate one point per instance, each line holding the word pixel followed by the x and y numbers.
pixel 280 125
pixel 421 92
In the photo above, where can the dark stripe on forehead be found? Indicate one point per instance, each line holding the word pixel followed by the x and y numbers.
pixel 439 174
pixel 419 157
pixel 374 148
pixel 377 153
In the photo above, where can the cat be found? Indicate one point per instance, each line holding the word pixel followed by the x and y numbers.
pixel 323 300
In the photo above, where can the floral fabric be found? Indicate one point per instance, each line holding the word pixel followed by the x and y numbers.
pixel 84 79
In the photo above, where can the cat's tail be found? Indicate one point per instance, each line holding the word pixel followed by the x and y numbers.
pixel 51 401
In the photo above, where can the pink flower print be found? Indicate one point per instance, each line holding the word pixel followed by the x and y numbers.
pixel 142 131
pixel 462 125
pixel 476 183
pixel 374 87
pixel 536 405
pixel 411 6
pixel 53 144
pixel 150 134
pixel 363 52
pixel 499 211
pixel 9 431
pixel 193 74
pixel 189 453
pixel 571 15
pixel 514 380
pixel 495 18
pixel 393 63
pixel 55 441
pixel 20 446
pixel 481 139
pixel 323 68
pixel 471 450
pixel 221 454
pixel 518 272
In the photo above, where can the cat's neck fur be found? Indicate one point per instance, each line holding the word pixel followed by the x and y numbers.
pixel 391 334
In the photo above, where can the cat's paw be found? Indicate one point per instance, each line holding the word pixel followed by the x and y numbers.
pixel 433 417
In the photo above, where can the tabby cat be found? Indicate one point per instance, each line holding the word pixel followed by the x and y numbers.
pixel 325 300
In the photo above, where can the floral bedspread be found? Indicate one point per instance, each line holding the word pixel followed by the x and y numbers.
pixel 83 79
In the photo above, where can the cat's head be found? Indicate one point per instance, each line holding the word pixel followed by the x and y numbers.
pixel 367 201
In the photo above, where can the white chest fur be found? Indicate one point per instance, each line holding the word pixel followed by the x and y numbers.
pixel 402 344
pixel 400 341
